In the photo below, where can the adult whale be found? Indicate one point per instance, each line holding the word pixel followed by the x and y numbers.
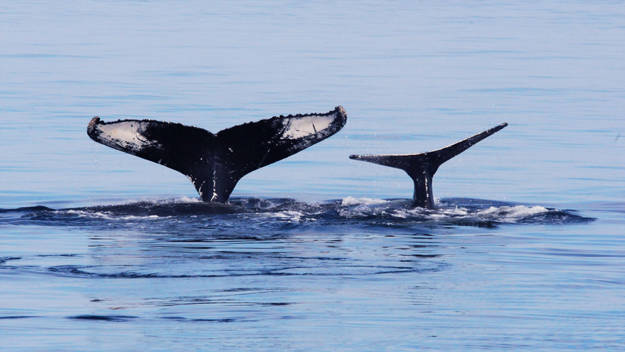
pixel 216 162
pixel 422 167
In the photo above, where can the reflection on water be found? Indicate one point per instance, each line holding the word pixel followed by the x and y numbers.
pixel 279 286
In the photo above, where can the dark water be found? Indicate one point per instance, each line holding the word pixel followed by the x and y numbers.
pixel 102 251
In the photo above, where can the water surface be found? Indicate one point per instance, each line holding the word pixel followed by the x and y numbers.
pixel 316 252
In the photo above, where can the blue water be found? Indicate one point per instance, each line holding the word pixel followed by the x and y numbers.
pixel 316 252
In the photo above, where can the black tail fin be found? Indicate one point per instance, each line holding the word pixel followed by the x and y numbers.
pixel 216 162
pixel 422 167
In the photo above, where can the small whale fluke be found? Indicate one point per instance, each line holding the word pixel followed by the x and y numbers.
pixel 216 162
pixel 422 167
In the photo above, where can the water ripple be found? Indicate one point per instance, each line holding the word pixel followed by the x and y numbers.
pixel 266 217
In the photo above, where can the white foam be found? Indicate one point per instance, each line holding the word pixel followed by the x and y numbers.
pixel 88 214
pixel 511 214
pixel 365 207
pixel 290 215
pixel 185 200
pixel 348 201
pixel 107 215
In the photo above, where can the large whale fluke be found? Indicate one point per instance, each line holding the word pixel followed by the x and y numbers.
pixel 422 167
pixel 216 162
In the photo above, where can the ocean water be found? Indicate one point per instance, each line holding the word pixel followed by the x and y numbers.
pixel 102 251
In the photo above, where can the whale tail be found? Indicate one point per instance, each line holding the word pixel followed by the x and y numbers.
pixel 216 162
pixel 422 167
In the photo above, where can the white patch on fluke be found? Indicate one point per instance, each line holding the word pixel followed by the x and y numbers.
pixel 125 134
pixel 298 127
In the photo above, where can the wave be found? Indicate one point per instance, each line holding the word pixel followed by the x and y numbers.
pixel 289 212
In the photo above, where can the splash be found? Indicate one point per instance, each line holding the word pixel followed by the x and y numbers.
pixel 347 201
pixel 269 214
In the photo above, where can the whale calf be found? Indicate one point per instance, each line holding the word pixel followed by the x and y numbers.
pixel 216 162
pixel 422 167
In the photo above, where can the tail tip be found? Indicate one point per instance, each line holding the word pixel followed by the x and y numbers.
pixel 339 109
pixel 92 124
pixel 497 128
